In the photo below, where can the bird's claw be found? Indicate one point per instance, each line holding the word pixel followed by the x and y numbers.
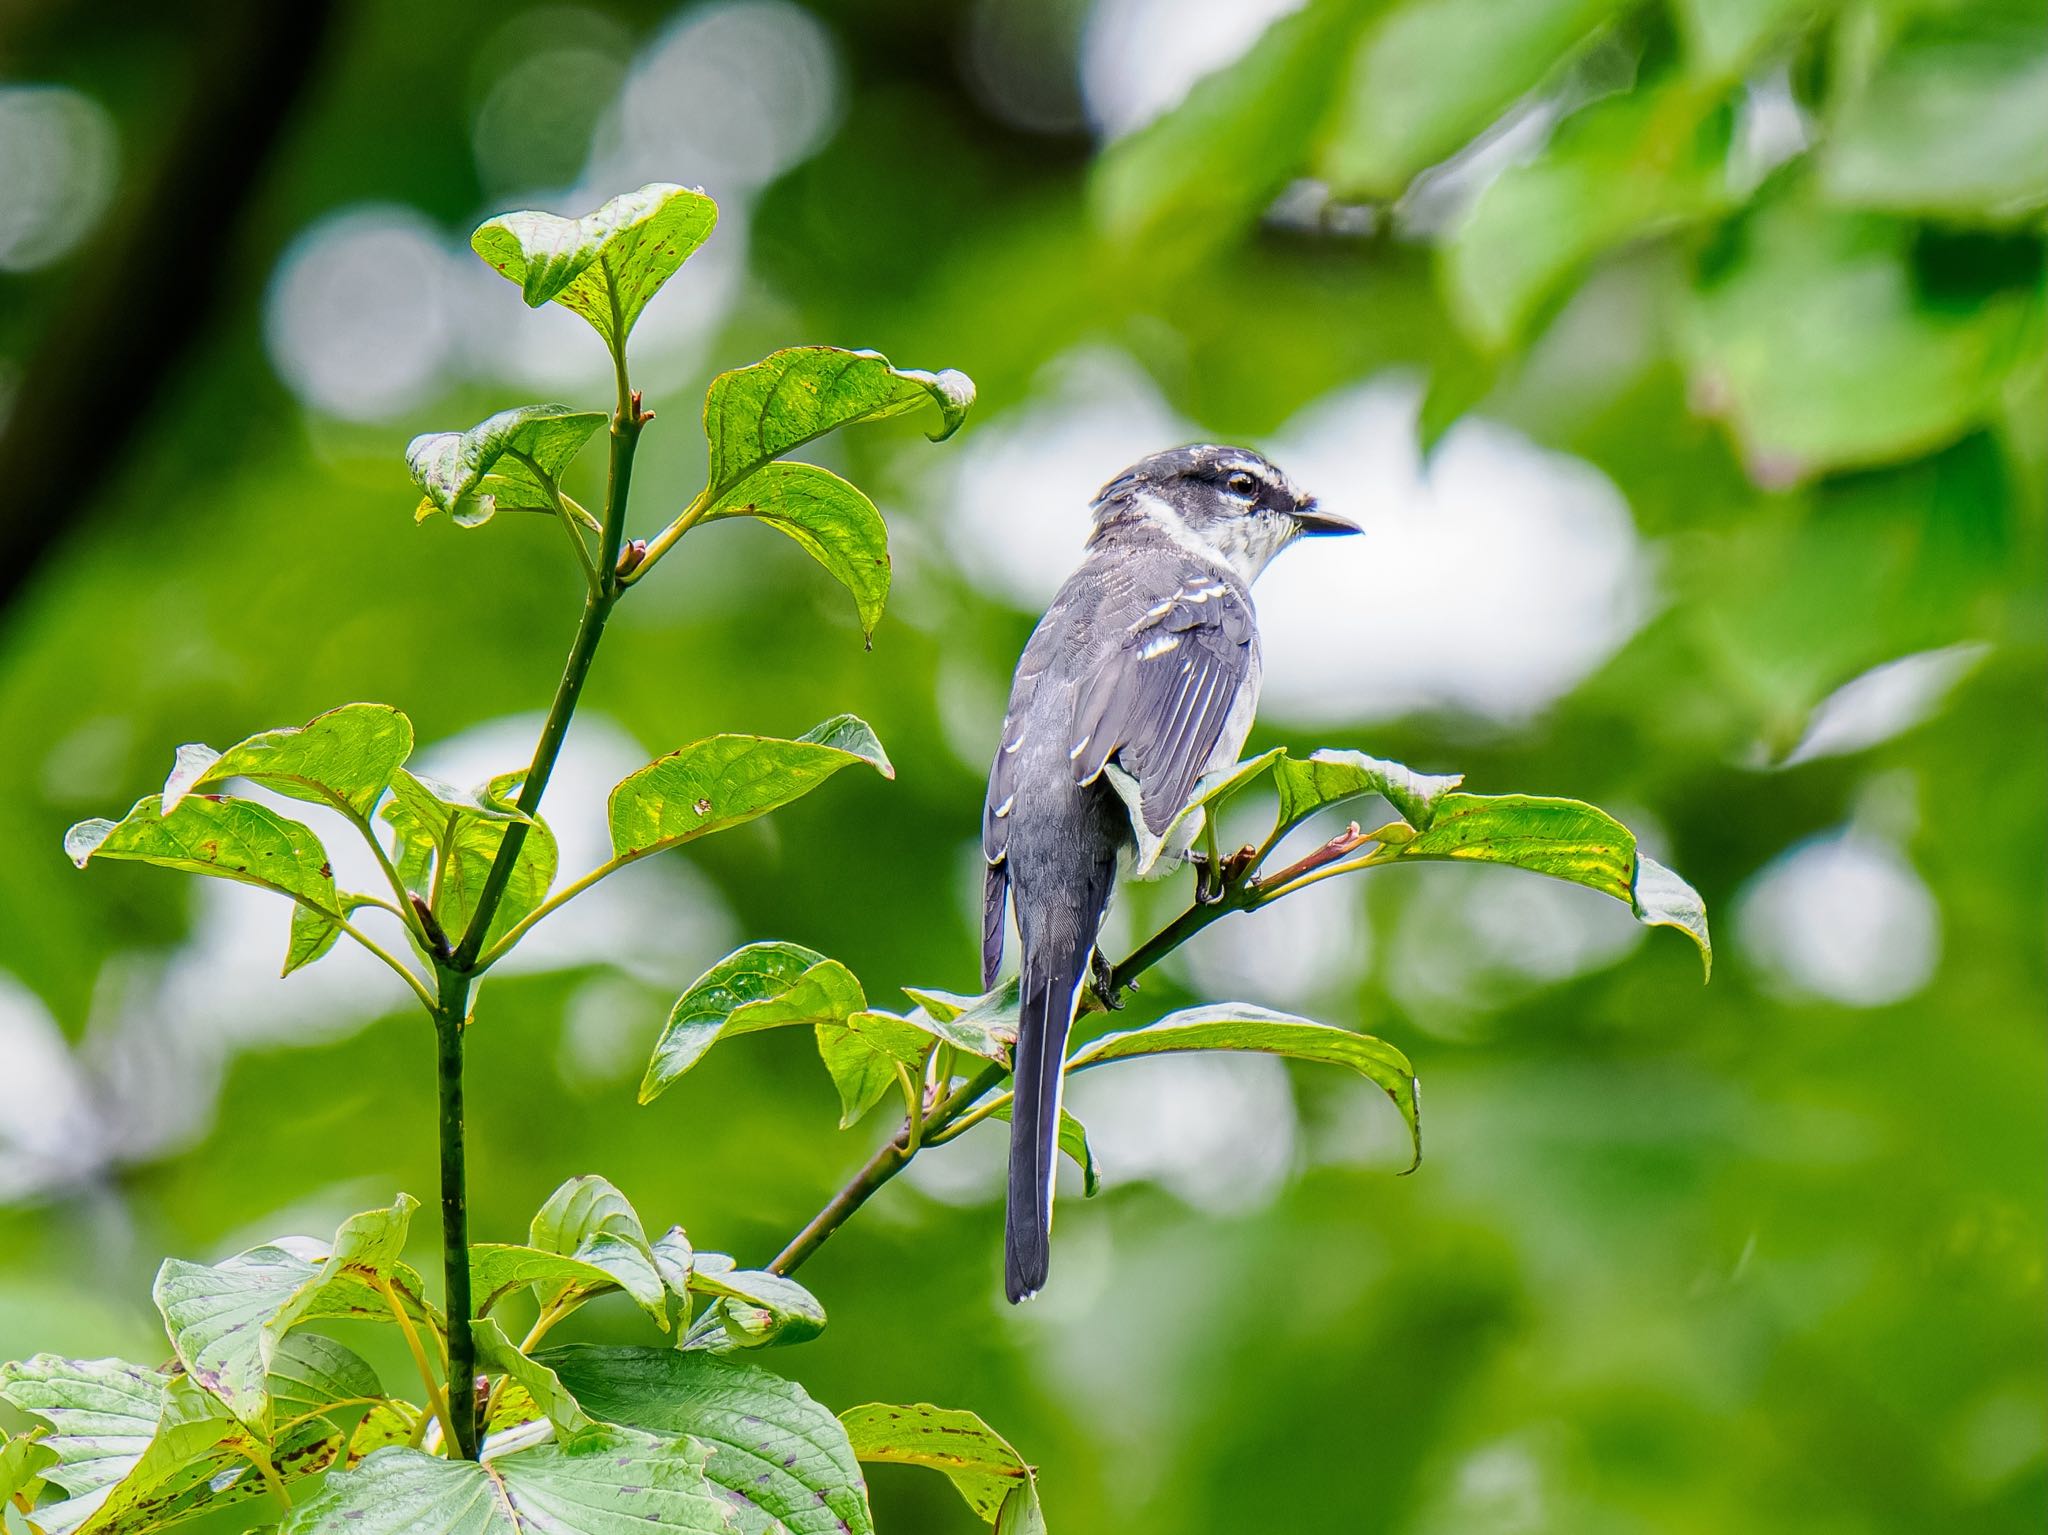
pixel 1106 988
pixel 1213 879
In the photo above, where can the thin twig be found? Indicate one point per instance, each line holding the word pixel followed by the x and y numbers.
pixel 553 903
pixel 960 1107
pixel 666 539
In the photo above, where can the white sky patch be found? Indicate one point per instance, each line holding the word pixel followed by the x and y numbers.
pixel 1490 584
pixel 1140 57
pixel 1022 484
pixel 1885 701
pixel 1315 948
pixel 1844 917
pixel 49 1132
pixel 1218 1133
pixel 359 317
pixel 1472 937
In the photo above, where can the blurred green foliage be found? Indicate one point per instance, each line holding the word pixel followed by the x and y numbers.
pixel 1746 1258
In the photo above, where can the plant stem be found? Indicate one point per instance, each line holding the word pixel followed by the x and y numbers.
pixel 457 973
pixel 597 608
pixel 885 1164
pixel 449 1021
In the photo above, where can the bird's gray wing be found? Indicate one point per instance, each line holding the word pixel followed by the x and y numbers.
pixel 1161 699
pixel 1003 774
pixel 1002 795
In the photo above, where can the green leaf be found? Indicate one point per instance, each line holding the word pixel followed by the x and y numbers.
pixel 1429 75
pixel 1660 898
pixel 102 1414
pixel 314 932
pixel 985 1025
pixel 1211 792
pixel 606 265
pixel 234 839
pixel 603 1481
pixel 138 1450
pixel 762 986
pixel 199 1460
pixel 832 521
pixel 343 758
pixel 1951 123
pixel 1236 1026
pixel 497 1269
pixel 1308 784
pixel 1565 839
pixel 498 465
pixel 390 1421
pixel 23 1460
pixel 448 838
pixel 1629 166
pixel 1723 38
pixel 589 1220
pixel 760 1309
pixel 783 1460
pixel 726 780
pixel 865 1051
pixel 1022 1514
pixel 755 414
pixel 1820 350
pixel 974 1457
pixel 1205 171
pixel 311 1373
pixel 1073 1141
pixel 674 1258
pixel 227 1321
pixel 497 1355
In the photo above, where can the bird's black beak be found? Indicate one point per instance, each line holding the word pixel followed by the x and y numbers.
pixel 1317 523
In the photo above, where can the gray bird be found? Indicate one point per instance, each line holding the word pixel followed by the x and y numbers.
pixel 1142 676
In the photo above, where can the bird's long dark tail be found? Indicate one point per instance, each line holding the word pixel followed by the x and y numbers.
pixel 1050 983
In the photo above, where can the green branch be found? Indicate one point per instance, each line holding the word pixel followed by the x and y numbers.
pixel 962 1106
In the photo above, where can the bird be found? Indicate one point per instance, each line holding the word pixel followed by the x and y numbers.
pixel 1142 676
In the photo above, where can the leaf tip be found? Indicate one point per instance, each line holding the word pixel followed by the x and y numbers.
pixel 1661 897
pixel 84 839
pixel 954 392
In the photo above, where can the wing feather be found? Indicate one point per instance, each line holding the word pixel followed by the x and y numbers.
pixel 1163 697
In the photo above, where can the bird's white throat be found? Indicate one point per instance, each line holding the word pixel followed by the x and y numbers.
pixel 1242 545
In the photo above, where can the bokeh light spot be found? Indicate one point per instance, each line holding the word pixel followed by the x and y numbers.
pixel 56 172
pixel 358 316
pixel 1844 917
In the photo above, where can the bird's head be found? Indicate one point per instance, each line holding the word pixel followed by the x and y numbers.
pixel 1228 504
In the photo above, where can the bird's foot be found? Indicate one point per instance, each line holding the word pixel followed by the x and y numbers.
pixel 1214 877
pixel 1107 989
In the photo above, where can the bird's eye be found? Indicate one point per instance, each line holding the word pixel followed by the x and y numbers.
pixel 1242 484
